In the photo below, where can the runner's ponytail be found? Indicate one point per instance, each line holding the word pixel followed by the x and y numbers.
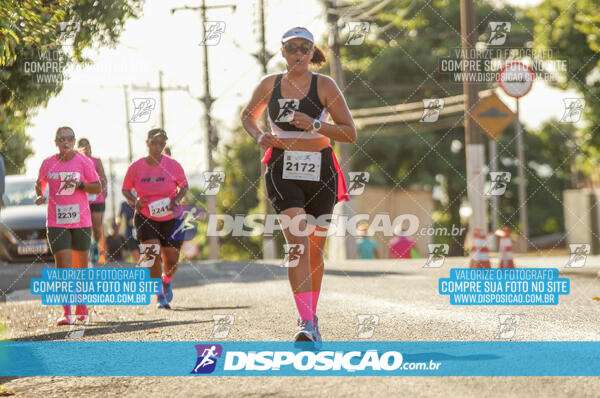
pixel 318 59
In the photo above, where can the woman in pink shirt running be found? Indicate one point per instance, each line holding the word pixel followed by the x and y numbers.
pixel 97 202
pixel 160 184
pixel 70 177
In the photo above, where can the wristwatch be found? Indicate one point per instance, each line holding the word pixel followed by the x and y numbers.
pixel 316 124
pixel 80 185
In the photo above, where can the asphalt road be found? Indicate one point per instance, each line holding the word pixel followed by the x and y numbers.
pixel 402 294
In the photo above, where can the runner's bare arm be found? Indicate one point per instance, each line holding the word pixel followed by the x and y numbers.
pixel 103 179
pixel 129 196
pixel 179 196
pixel 252 112
pixel 133 201
pixel 41 199
pixel 90 187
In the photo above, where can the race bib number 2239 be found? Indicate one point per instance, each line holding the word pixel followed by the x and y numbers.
pixel 67 214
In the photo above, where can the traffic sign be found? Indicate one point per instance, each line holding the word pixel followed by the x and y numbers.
pixel 492 115
pixel 516 79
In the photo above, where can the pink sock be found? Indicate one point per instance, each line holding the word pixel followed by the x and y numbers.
pixel 66 310
pixel 315 299
pixel 166 279
pixel 81 310
pixel 304 304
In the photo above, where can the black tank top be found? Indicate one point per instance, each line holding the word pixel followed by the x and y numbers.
pixel 280 108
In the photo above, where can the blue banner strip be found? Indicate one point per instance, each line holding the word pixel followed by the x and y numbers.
pixel 182 358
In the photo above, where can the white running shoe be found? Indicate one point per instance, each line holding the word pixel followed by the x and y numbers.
pixel 317 334
pixel 306 331
pixel 318 338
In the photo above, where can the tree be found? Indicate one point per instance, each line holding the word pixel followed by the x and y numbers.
pixel 239 195
pixel 31 36
pixel 549 153
pixel 399 63
pixel 399 60
pixel 572 31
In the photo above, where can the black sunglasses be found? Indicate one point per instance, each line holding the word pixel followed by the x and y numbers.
pixel 67 138
pixel 292 48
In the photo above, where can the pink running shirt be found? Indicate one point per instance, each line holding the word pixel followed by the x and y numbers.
pixel 400 247
pixel 68 206
pixel 158 184
pixel 95 198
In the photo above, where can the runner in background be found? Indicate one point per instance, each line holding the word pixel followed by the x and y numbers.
pixel 115 245
pixel 97 202
pixel 70 177
pixel 126 213
pixel 365 244
pixel 400 245
pixel 303 177
pixel 160 184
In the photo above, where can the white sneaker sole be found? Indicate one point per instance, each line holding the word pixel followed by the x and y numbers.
pixel 302 336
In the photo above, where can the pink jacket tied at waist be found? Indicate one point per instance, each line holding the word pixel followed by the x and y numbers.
pixel 342 189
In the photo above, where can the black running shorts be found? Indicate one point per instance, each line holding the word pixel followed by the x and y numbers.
pixel 77 239
pixel 148 229
pixel 317 198
pixel 98 207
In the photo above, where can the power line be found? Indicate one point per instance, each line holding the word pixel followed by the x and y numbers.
pixel 207 100
pixel 347 248
pixel 161 89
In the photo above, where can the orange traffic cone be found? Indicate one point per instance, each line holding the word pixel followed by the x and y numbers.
pixel 480 254
pixel 505 247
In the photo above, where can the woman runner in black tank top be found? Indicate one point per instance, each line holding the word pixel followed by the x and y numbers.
pixel 280 107
pixel 303 178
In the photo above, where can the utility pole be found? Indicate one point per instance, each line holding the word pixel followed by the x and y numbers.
pixel 573 149
pixel 130 153
pixel 125 89
pixel 111 182
pixel 345 249
pixel 495 206
pixel 473 138
pixel 263 57
pixel 112 188
pixel 161 90
pixel 207 100
pixel 524 236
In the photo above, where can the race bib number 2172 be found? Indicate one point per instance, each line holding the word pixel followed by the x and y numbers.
pixel 299 165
